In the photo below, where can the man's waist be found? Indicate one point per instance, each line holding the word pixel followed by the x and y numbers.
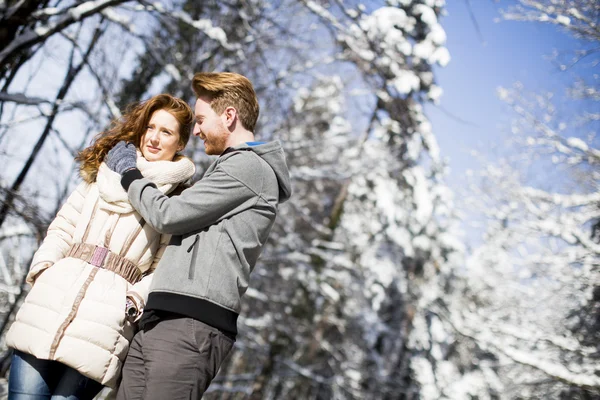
pixel 196 308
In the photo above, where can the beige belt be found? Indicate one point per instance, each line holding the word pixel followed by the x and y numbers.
pixel 102 257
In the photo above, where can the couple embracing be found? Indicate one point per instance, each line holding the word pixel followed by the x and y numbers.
pixel 138 283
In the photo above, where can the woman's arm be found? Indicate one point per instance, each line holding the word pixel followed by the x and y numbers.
pixel 59 238
pixel 138 294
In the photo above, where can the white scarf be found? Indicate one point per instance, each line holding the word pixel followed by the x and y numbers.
pixel 166 175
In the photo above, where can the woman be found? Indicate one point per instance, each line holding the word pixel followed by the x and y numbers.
pixel 92 273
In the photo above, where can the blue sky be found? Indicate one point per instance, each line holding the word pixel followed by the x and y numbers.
pixel 511 51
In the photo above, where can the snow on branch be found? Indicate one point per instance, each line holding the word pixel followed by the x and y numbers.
pixel 67 17
pixel 578 17
pixel 489 341
pixel 572 200
pixel 203 25
pixel 323 13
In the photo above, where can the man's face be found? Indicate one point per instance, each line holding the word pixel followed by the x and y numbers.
pixel 210 127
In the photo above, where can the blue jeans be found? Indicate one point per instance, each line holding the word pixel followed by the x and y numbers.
pixel 34 379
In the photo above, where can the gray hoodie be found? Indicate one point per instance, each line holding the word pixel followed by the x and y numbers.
pixel 219 227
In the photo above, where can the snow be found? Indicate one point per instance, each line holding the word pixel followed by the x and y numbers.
pixel 406 81
pixel 330 292
pixel 15 230
pixel 441 56
pixel 575 13
pixel 424 49
pixel 502 93
pixel 383 21
pixel 84 8
pixel 422 242
pixel 563 20
pixel 173 71
pixel 113 108
pixel 48 11
pixel 435 93
pixel 212 32
pixel 425 376
pixel 577 143
pixel 422 201
pixel 427 14
pixel 437 35
pixel 41 30
pixel 353 374
pixel 404 47
pixel 414 146
pixel 114 16
pixel 253 293
pixel 263 322
pixel 158 6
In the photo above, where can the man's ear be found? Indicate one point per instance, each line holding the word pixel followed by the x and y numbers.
pixel 230 116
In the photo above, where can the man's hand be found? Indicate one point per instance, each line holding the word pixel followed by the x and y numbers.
pixel 121 158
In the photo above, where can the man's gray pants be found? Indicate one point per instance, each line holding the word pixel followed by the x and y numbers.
pixel 174 359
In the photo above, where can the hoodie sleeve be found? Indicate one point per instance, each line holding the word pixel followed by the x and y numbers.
pixel 234 185
pixel 60 234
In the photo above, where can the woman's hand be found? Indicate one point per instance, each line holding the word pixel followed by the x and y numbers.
pixel 132 311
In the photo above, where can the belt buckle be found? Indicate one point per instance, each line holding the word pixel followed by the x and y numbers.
pixel 99 256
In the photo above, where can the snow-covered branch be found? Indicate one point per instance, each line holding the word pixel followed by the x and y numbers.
pixel 203 25
pixel 64 18
pixel 489 341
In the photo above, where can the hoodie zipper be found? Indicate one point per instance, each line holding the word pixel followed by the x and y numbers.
pixel 194 246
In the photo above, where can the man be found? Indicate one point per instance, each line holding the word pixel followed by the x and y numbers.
pixel 219 226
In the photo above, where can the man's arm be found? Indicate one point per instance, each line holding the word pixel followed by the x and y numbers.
pixel 209 200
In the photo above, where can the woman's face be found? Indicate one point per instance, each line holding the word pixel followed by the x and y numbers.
pixel 160 142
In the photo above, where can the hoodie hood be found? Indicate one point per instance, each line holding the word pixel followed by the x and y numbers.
pixel 272 153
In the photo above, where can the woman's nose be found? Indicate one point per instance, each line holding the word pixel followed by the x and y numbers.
pixel 154 136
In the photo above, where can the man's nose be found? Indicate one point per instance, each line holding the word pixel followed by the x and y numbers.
pixel 196 130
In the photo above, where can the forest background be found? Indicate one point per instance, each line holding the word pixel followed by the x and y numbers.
pixel 443 239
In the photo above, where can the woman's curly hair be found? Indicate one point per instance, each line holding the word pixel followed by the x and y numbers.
pixel 131 127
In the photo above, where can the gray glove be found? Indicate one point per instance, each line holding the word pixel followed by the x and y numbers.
pixel 121 158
